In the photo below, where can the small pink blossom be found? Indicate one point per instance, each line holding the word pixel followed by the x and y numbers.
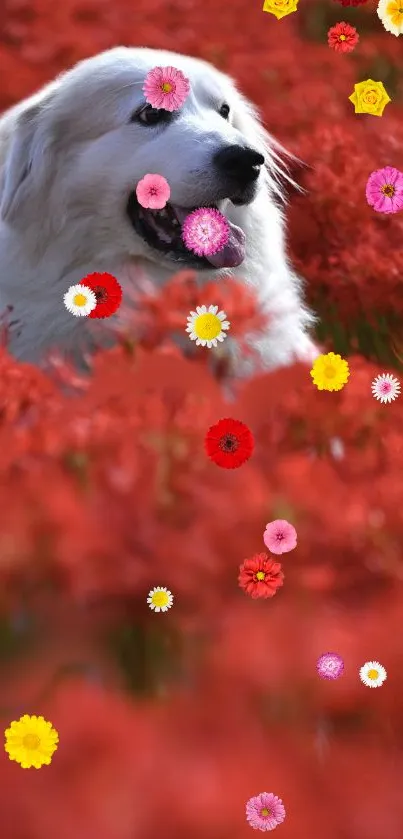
pixel 205 231
pixel 280 536
pixel 330 666
pixel 166 87
pixel 153 192
pixel 265 811
pixel 384 190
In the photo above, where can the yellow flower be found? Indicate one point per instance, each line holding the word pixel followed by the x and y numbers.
pixel 369 98
pixel 31 741
pixel 330 372
pixel 206 326
pixel 280 8
pixel 391 14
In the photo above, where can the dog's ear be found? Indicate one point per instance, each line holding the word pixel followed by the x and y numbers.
pixel 26 167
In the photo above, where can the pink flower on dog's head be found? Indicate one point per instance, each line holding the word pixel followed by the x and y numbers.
pixel 166 88
pixel 265 811
pixel 384 190
pixel 280 536
pixel 153 192
pixel 205 231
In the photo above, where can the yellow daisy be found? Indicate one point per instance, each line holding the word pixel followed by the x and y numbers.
pixel 391 14
pixel 80 300
pixel 31 741
pixel 280 8
pixel 369 97
pixel 206 326
pixel 330 372
pixel 160 599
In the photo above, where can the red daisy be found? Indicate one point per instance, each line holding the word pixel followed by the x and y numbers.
pixel 260 576
pixel 229 443
pixel 107 291
pixel 342 37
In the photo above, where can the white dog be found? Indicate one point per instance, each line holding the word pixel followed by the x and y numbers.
pixel 70 159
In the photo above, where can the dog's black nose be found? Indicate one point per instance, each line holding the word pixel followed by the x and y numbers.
pixel 240 164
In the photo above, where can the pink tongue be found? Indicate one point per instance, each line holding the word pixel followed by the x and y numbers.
pixel 233 253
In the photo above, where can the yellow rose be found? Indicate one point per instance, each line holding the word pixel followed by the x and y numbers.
pixel 280 8
pixel 369 98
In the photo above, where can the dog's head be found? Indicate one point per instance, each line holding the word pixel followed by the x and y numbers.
pixel 78 150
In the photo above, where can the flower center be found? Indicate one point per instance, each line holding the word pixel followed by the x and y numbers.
pixel 373 674
pixel 229 443
pixel 31 741
pixel 160 598
pixel 389 190
pixel 100 294
pixel 279 537
pixel 342 37
pixel 265 812
pixel 167 87
pixel 330 372
pixel 371 97
pixel 80 299
pixel 386 387
pixel 260 575
pixel 207 326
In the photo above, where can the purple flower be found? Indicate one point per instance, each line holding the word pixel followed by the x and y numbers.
pixel 330 666
pixel 205 231
pixel 384 190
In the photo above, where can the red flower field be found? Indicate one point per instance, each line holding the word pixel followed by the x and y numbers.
pixel 168 723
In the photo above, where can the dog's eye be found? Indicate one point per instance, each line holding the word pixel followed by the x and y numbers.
pixel 150 116
pixel 224 111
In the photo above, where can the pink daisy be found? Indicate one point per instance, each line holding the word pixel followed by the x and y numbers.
pixel 265 811
pixel 153 192
pixel 205 231
pixel 280 536
pixel 330 666
pixel 166 87
pixel 384 190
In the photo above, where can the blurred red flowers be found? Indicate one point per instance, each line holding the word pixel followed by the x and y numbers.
pixel 229 443
pixel 260 576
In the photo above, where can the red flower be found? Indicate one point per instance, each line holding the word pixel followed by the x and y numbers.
pixel 342 37
pixel 107 291
pixel 229 443
pixel 351 2
pixel 260 576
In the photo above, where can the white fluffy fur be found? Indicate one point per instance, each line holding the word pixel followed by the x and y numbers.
pixel 68 159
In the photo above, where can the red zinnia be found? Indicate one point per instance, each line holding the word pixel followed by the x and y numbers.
pixel 229 443
pixel 342 37
pixel 107 291
pixel 351 2
pixel 260 576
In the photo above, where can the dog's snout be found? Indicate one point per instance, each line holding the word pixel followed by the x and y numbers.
pixel 239 163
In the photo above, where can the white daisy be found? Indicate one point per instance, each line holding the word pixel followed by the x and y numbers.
pixel 80 300
pixel 385 387
pixel 206 326
pixel 372 674
pixel 390 13
pixel 160 599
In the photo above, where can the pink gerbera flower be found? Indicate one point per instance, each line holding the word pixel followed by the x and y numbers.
pixel 384 190
pixel 280 536
pixel 265 811
pixel 205 231
pixel 153 192
pixel 166 87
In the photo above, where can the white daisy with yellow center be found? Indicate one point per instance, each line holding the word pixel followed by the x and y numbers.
pixel 372 674
pixel 206 326
pixel 391 14
pixel 160 599
pixel 80 300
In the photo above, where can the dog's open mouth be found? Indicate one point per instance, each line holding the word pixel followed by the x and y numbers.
pixel 162 230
